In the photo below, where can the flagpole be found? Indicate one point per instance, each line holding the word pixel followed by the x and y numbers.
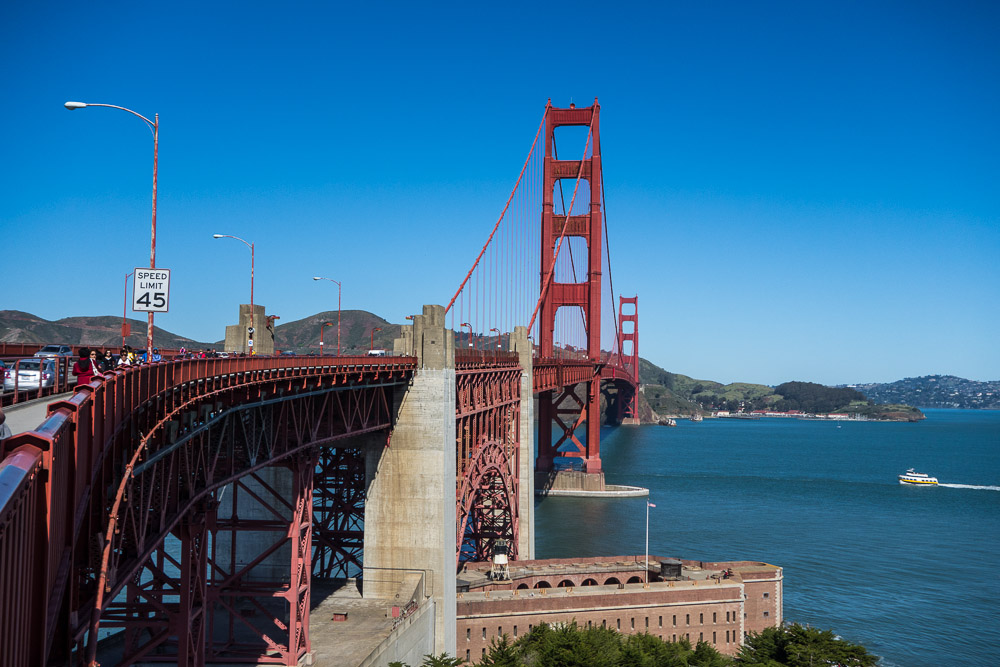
pixel 647 545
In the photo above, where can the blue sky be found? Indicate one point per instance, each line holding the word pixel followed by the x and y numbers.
pixel 795 191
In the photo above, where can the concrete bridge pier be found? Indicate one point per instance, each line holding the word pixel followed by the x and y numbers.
pixel 520 343
pixel 410 500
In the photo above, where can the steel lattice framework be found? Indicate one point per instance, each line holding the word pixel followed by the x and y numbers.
pixel 124 510
pixel 487 414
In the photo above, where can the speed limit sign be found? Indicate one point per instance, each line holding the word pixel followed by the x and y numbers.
pixel 151 290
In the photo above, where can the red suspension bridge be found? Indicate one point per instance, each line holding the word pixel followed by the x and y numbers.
pixel 179 512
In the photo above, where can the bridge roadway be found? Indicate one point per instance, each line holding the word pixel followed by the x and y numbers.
pixel 187 505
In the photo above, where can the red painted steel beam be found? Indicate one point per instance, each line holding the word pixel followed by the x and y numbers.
pixel 585 294
pixel 80 447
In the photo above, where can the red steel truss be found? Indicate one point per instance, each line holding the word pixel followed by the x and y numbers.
pixel 110 510
pixel 488 439
pixel 586 294
pixel 338 513
pixel 623 368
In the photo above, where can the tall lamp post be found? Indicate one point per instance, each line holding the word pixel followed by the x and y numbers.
pixel 125 328
pixel 372 346
pixel 154 126
pixel 252 318
pixel 498 336
pixel 337 283
pixel 322 327
pixel 466 324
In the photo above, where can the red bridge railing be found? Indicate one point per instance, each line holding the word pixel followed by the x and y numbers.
pixel 555 373
pixel 46 474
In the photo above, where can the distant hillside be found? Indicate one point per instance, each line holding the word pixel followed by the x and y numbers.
pixel 936 391
pixel 672 394
pixel 101 331
pixel 302 336
pixel 669 394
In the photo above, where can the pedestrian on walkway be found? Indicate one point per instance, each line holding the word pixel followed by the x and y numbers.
pixel 95 362
pixel 109 361
pixel 83 369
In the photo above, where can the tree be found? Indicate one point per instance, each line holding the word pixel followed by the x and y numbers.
pixel 501 654
pixel 802 646
pixel 443 660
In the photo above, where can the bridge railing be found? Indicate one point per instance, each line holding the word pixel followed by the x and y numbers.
pixel 551 373
pixel 46 475
pixel 471 359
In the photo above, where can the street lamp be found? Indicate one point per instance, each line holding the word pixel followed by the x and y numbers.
pixel 372 346
pixel 337 282
pixel 252 318
pixel 466 324
pixel 321 328
pixel 498 336
pixel 154 126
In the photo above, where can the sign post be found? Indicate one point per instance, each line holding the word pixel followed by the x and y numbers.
pixel 151 290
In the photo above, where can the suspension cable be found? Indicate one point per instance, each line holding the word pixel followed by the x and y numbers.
pixel 611 282
pixel 502 213
pixel 562 235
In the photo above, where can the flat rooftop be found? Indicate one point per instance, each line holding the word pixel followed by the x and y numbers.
pixel 475 581
pixel 346 643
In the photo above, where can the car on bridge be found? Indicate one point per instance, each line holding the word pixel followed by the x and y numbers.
pixel 55 351
pixel 24 375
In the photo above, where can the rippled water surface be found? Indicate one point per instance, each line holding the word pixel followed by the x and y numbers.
pixel 912 573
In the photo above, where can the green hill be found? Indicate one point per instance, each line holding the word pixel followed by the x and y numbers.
pixel 302 336
pixel 673 394
pixel 101 331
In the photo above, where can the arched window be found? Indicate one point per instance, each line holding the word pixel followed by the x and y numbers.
pixel 611 581
pixel 543 584
pixel 522 587
pixel 589 582
pixel 566 583
pixel 634 580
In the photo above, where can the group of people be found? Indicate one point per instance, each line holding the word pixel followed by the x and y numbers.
pixel 93 362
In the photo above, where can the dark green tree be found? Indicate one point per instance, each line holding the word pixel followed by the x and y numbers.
pixel 501 654
pixel 443 660
pixel 802 646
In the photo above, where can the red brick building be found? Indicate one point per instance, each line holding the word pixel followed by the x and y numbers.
pixel 714 602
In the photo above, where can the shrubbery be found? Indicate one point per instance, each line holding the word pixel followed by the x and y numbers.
pixel 573 646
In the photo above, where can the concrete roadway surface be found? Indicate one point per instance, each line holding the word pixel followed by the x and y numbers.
pixel 26 416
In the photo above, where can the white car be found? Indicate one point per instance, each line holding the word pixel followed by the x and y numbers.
pixel 24 374
pixel 55 351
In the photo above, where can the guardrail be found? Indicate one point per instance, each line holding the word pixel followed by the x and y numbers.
pixel 46 475
pixel 472 359
pixel 552 373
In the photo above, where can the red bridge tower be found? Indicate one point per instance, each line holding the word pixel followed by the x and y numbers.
pixel 567 409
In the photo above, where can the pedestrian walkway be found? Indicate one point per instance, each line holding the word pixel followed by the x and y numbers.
pixel 27 416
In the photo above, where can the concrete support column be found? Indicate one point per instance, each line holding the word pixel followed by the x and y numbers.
pixel 520 343
pixel 410 508
pixel 238 335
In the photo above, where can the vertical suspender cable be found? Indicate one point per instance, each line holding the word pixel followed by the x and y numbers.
pixel 548 278
pixel 476 263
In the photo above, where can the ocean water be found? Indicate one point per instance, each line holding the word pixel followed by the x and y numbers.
pixel 912 573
